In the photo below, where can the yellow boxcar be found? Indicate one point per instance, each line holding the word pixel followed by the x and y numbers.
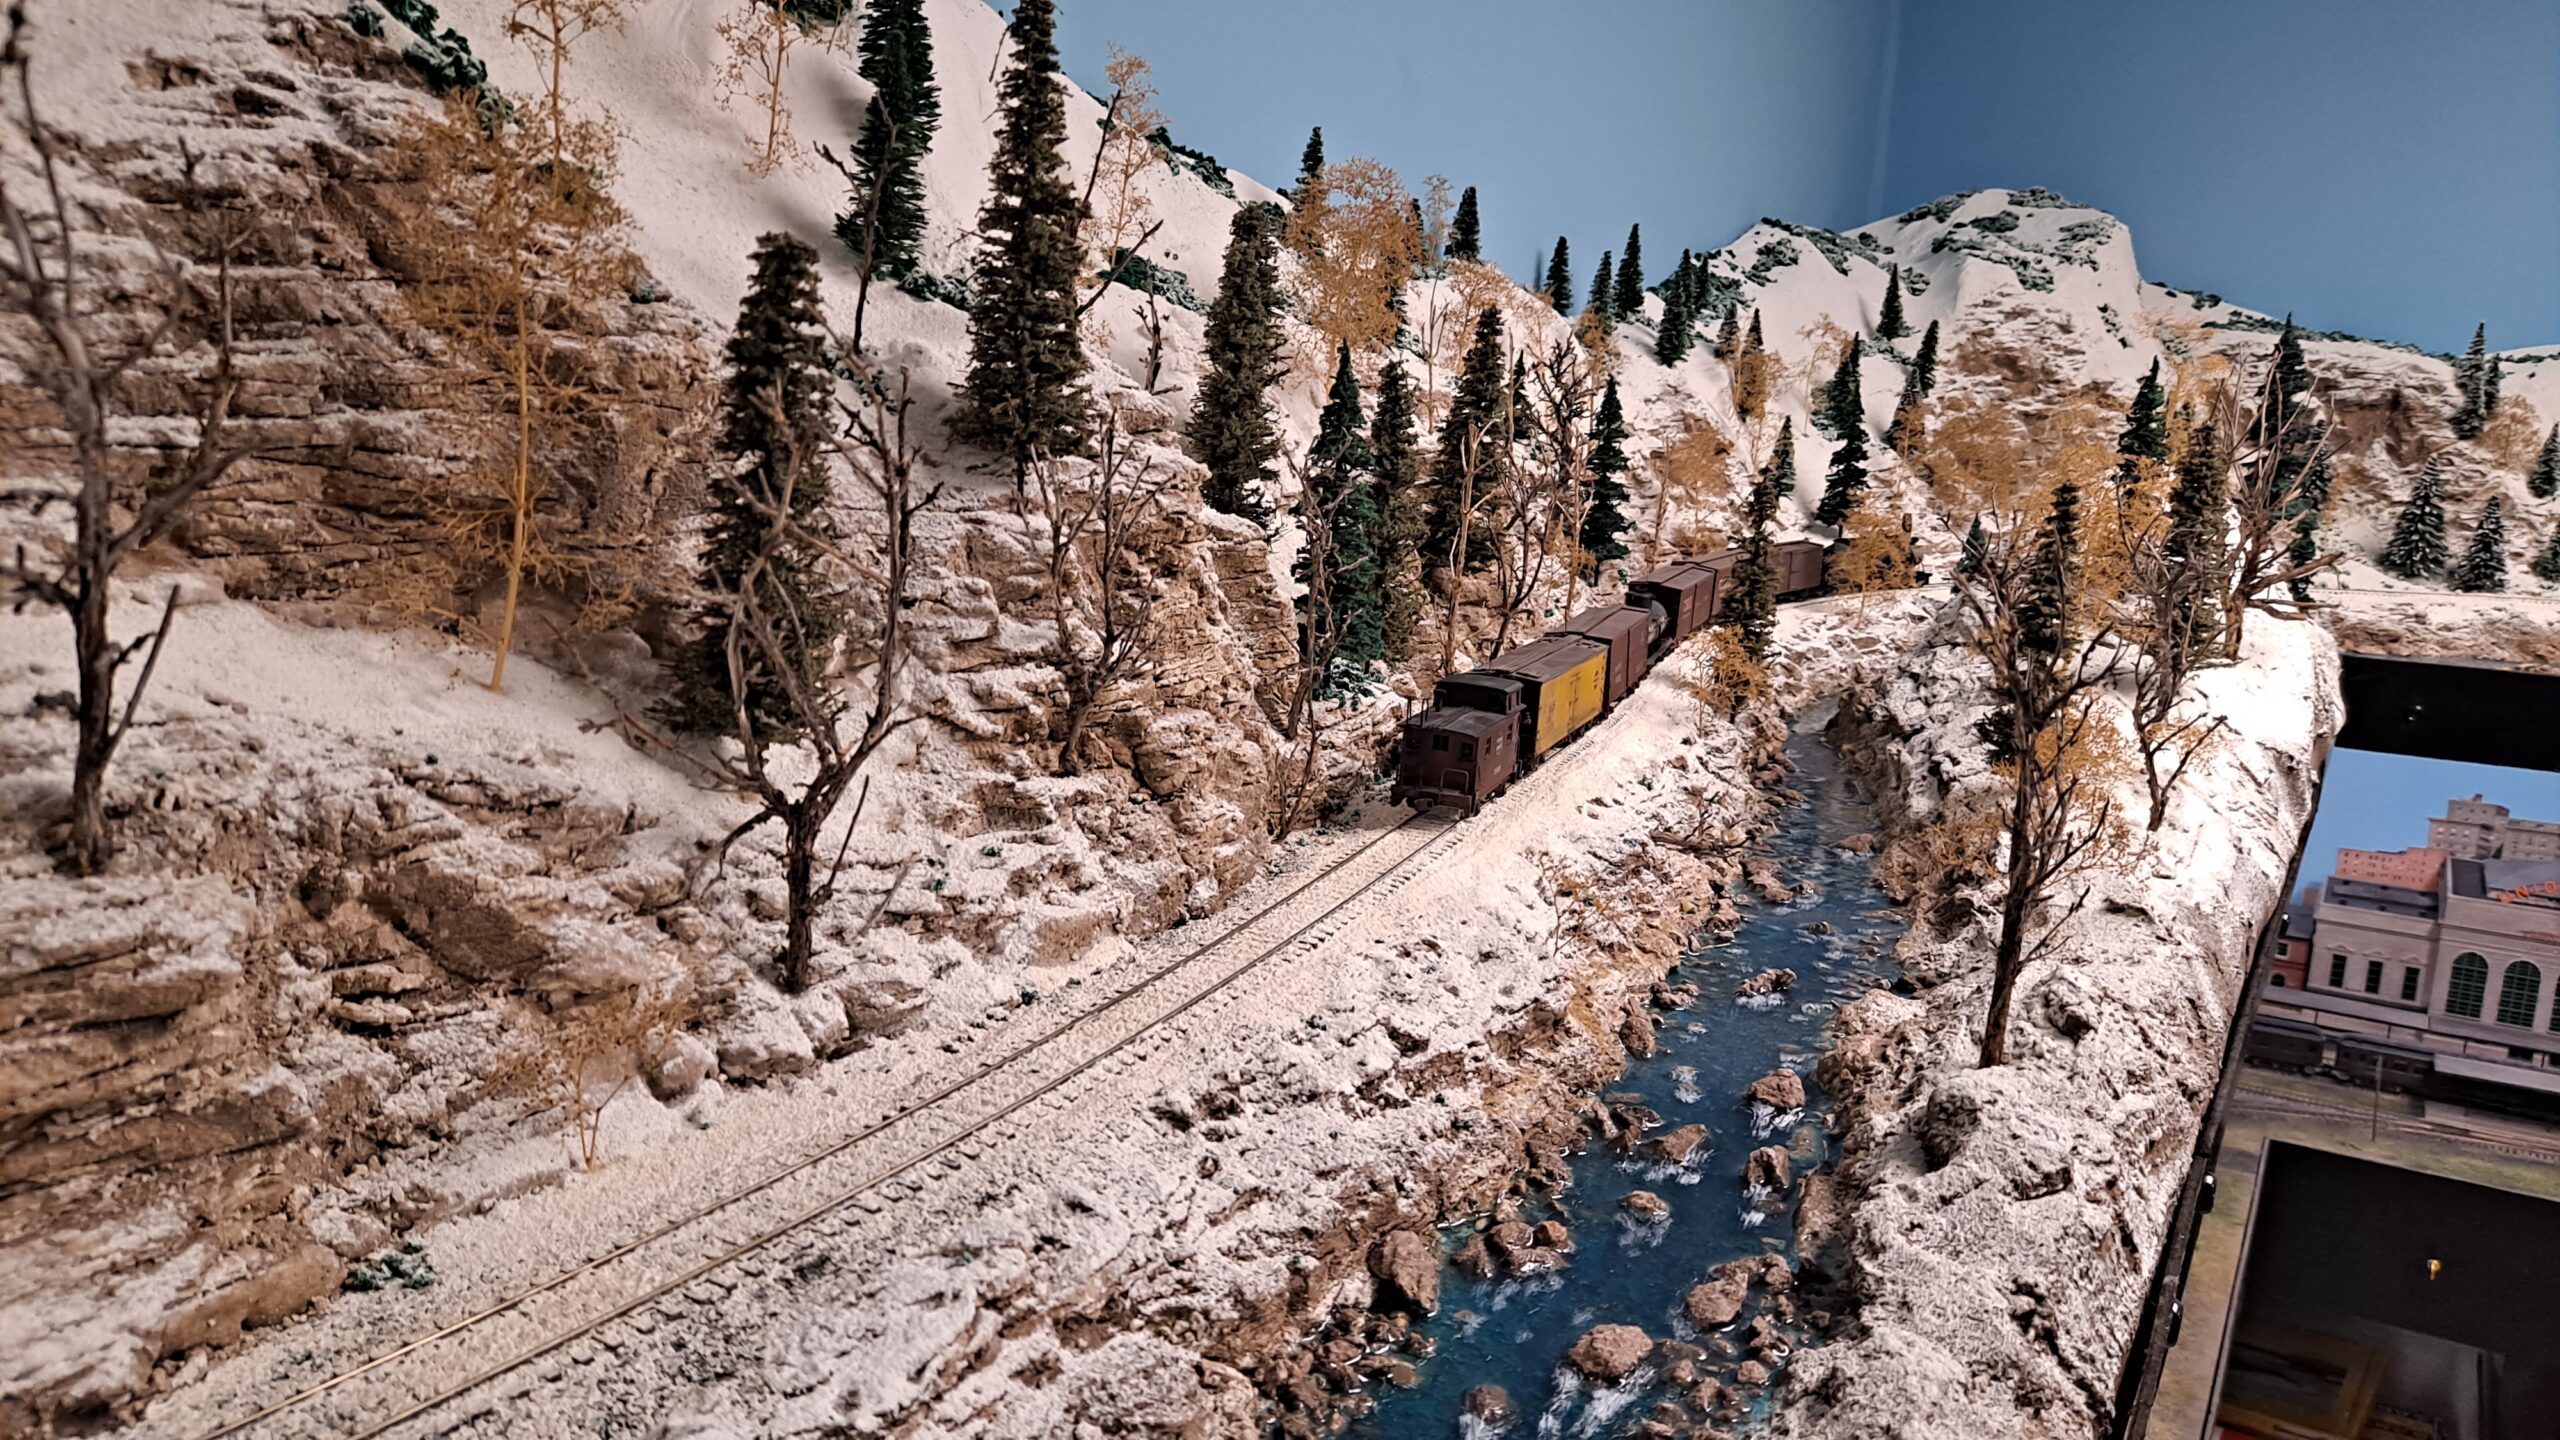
pixel 1566 678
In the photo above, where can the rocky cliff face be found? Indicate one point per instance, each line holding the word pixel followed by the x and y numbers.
pixel 1998 1227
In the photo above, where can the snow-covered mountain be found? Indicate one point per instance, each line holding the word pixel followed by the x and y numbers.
pixel 349 869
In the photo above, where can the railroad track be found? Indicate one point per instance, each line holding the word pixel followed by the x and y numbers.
pixel 860 1175
pixel 2513 1146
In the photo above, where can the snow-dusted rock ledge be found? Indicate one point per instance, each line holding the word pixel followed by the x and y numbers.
pixel 1999 1227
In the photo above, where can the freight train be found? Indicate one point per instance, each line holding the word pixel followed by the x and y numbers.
pixel 2371 1065
pixel 1488 726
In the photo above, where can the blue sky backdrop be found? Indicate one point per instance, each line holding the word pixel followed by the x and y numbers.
pixel 2378 166
pixel 2372 801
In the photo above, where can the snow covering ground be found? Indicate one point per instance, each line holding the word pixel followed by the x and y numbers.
pixel 1120 1224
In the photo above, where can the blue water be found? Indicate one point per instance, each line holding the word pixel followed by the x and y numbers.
pixel 1514 1332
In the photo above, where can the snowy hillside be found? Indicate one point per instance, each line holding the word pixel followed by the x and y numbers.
pixel 258 1051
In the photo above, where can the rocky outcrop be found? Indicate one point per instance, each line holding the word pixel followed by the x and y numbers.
pixel 1609 1352
pixel 1999 1227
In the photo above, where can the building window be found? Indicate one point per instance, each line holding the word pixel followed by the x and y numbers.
pixel 2276 980
pixel 2409 982
pixel 2519 992
pixel 2373 977
pixel 2337 972
pixel 2470 983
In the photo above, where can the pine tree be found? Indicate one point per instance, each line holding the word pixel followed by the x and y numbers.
pixel 2146 429
pixel 1782 459
pixel 1909 427
pixel 1339 487
pixel 1231 429
pixel 1671 342
pixel 1729 335
pixel 2546 564
pixel 1606 515
pixel 2490 381
pixel 1846 482
pixel 1024 397
pixel 2470 379
pixel 897 129
pixel 1753 341
pixel 2199 530
pixel 2292 380
pixel 1977 549
pixel 1925 364
pixel 1466 233
pixel 1401 506
pixel 1752 609
pixel 1628 301
pixel 1560 277
pixel 2484 560
pixel 1843 408
pixel 2044 610
pixel 1310 163
pixel 2307 505
pixel 1601 301
pixel 2417 547
pixel 2544 482
pixel 1889 324
pixel 1473 428
pixel 774 422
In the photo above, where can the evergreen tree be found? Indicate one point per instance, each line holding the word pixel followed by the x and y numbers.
pixel 1466 233
pixel 2544 482
pixel 1339 487
pixel 1601 302
pixel 1474 425
pixel 1752 608
pixel 1729 336
pixel 2146 428
pixel 1628 301
pixel 2307 504
pixel 1753 341
pixel 1889 324
pixel 1846 482
pixel 1671 342
pixel 1908 427
pixel 1560 277
pixel 1606 516
pixel 2044 609
pixel 2490 381
pixel 897 129
pixel 2546 564
pixel 1310 163
pixel 2417 547
pixel 2292 380
pixel 1925 364
pixel 1231 429
pixel 1782 459
pixel 1843 408
pixel 774 422
pixel 2484 560
pixel 1024 396
pixel 1401 505
pixel 2471 380
pixel 1977 549
pixel 2199 531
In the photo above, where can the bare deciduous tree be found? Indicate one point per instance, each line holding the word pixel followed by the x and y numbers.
pixel 1357 247
pixel 46 274
pixel 1101 596
pixel 578 1059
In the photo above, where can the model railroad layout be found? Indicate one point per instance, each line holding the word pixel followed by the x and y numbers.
pixel 1488 726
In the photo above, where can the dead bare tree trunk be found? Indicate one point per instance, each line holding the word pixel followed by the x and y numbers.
pixel 45 279
pixel 1101 599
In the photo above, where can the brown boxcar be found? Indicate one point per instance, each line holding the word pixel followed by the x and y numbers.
pixel 1564 682
pixel 1684 593
pixel 1799 567
pixel 1628 631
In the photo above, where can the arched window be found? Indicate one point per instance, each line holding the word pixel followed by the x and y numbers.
pixel 2519 992
pixel 2469 986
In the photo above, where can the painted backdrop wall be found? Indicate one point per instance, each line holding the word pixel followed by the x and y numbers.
pixel 2377 166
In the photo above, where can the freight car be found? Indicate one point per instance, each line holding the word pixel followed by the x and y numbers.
pixel 1488 726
